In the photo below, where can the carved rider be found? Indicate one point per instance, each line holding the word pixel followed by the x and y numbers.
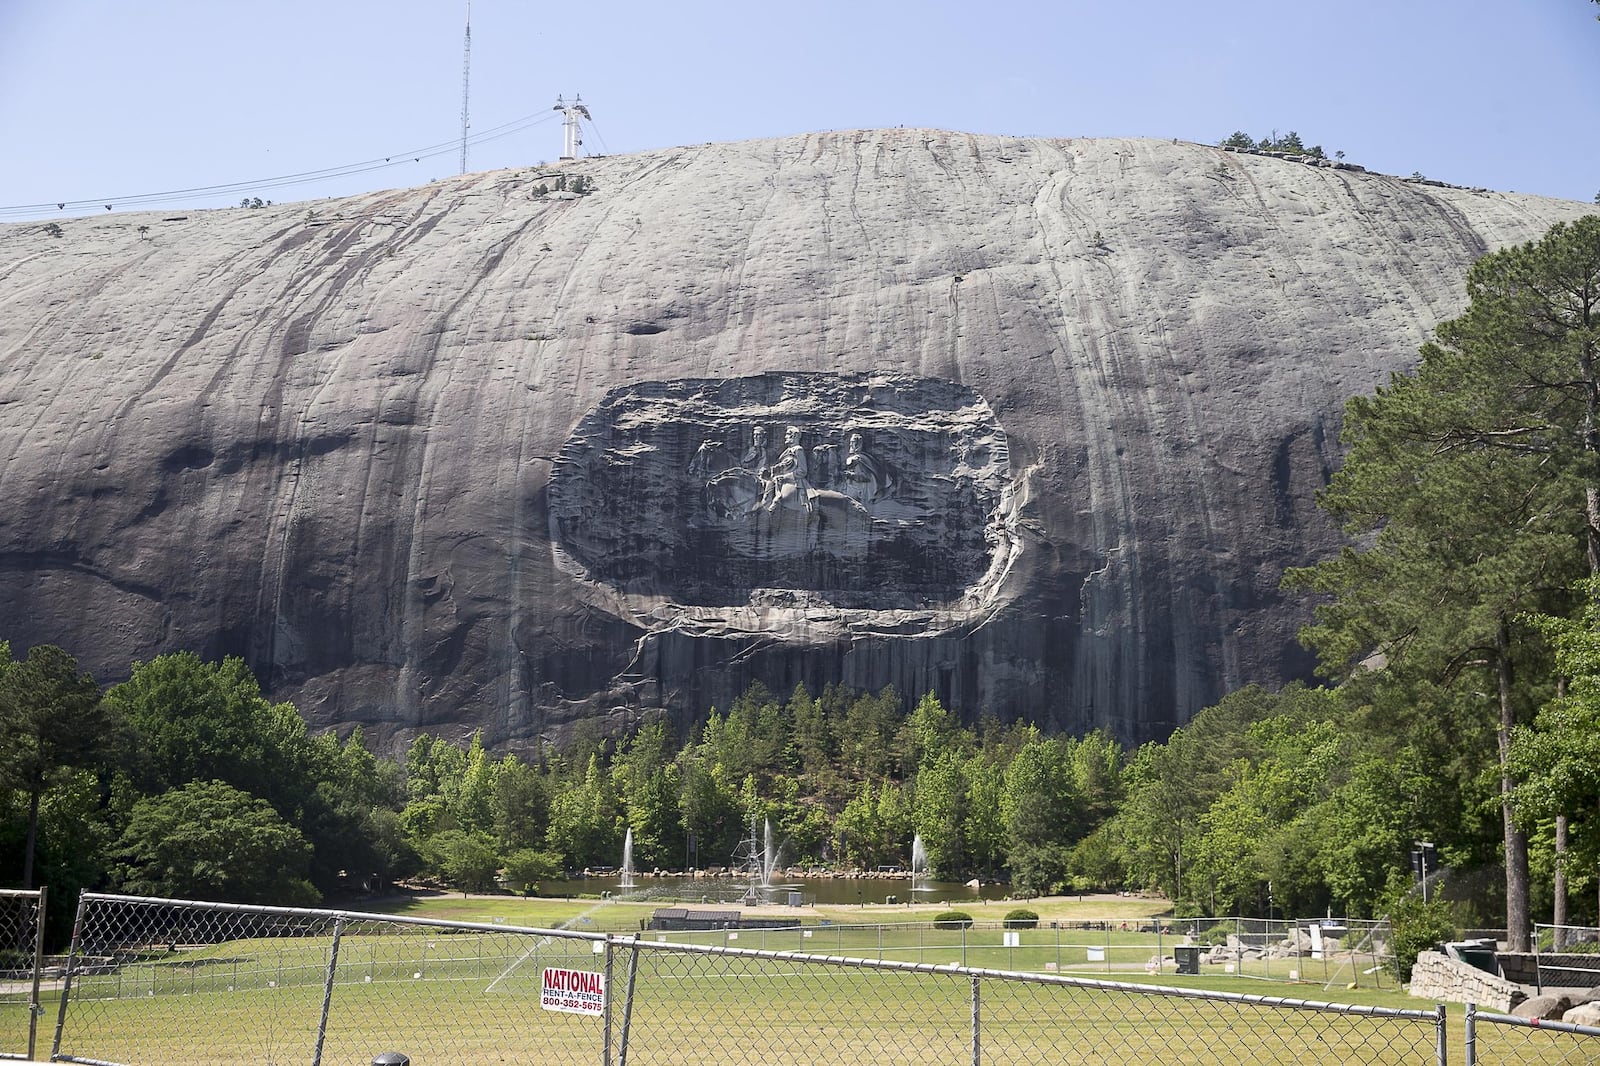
pixel 708 460
pixel 791 485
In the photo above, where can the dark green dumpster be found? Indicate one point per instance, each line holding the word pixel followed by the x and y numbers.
pixel 1188 959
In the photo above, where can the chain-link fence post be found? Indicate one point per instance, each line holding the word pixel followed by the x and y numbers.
pixel 1441 1035
pixel 605 1021
pixel 35 1008
pixel 977 1041
pixel 327 991
pixel 1472 1034
pixel 66 978
pixel 627 1001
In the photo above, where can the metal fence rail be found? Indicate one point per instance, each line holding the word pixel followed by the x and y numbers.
pixel 778 1007
pixel 1506 1040
pixel 171 981
pixel 21 966
pixel 175 982
pixel 1566 955
pixel 1350 954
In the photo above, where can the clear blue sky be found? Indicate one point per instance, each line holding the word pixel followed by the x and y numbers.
pixel 104 100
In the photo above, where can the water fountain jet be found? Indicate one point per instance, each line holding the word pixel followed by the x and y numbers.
pixel 627 880
pixel 919 865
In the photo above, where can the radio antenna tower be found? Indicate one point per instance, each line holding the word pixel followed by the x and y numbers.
pixel 466 81
pixel 570 141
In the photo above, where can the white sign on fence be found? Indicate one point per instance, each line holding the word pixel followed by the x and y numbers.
pixel 1012 940
pixel 573 991
pixel 1097 954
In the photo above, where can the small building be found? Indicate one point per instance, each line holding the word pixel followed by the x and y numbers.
pixel 687 918
pixel 678 918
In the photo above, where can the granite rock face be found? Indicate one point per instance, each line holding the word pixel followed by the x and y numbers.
pixel 1041 422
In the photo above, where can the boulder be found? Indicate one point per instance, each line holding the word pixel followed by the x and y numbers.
pixel 1546 1007
pixel 1583 1014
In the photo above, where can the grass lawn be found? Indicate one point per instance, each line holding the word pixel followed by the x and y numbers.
pixel 625 916
pixel 473 997
pixel 464 996
pixel 855 931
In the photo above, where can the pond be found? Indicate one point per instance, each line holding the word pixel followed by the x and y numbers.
pixel 825 890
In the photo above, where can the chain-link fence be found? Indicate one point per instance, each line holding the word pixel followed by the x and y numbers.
pixel 1505 1040
pixel 1333 954
pixel 1566 956
pixel 172 982
pixel 21 968
pixel 765 1007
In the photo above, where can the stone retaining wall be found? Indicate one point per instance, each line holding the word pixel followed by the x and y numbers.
pixel 1440 978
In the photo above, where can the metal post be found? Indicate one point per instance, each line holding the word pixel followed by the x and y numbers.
pixel 1108 947
pixel 627 1001
pixel 977 1046
pixel 605 1050
pixel 1160 951
pixel 963 926
pixel 1439 1034
pixel 34 1007
pixel 66 981
pixel 327 991
pixel 1472 1034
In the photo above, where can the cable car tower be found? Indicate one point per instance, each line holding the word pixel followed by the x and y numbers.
pixel 570 141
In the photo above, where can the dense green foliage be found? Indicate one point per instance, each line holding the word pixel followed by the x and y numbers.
pixel 1474 484
pixel 51 722
pixel 208 840
pixel 1417 926
pixel 1298 801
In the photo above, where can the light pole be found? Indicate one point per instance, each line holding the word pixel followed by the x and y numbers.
pixel 1421 856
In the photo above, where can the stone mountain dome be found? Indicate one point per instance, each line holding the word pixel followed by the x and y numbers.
pixel 1033 424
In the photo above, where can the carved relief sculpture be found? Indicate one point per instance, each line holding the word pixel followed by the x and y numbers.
pixel 912 514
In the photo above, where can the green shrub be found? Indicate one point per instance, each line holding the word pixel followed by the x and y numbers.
pixel 952 920
pixel 1022 918
pixel 1416 927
